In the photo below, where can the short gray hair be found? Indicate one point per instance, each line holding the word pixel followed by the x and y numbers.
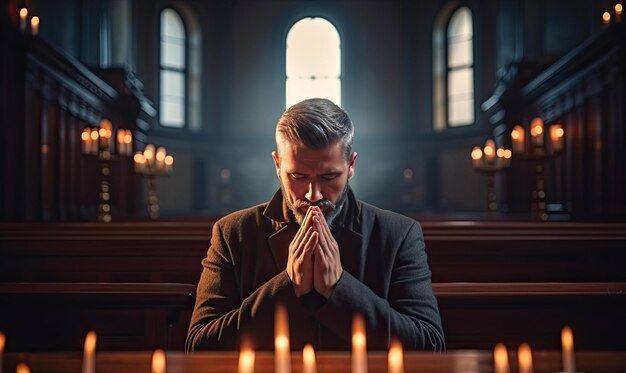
pixel 317 123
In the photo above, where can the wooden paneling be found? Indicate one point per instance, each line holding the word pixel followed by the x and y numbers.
pixel 53 98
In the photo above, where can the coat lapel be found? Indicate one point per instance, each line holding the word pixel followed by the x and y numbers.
pixel 279 244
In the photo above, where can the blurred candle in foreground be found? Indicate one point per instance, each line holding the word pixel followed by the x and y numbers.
pixel 395 358
pixel 308 360
pixel 158 361
pixel 89 354
pixel 2 342
pixel 606 18
pixel 23 16
pixel 359 345
pixel 567 347
pixel 524 359
pixel 34 25
pixel 282 354
pixel 246 360
pixel 500 359
pixel 22 368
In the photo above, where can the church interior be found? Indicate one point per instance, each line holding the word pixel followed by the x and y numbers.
pixel 129 127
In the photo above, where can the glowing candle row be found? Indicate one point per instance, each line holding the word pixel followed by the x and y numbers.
pixel 525 358
pixel 124 142
pixel 490 156
pixel 153 161
pixel 518 142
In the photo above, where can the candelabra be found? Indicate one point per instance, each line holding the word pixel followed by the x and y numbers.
pixel 490 160
pixel 97 142
pixel 153 163
pixel 538 151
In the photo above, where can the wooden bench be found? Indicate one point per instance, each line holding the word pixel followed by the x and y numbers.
pixel 56 317
pixel 125 316
pixel 479 315
pixel 171 252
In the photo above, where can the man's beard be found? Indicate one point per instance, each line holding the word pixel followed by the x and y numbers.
pixel 329 209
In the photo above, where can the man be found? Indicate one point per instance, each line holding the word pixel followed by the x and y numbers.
pixel 316 249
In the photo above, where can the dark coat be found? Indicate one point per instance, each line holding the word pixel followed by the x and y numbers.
pixel 385 278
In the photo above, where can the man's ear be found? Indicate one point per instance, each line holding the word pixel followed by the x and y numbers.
pixel 351 164
pixel 276 159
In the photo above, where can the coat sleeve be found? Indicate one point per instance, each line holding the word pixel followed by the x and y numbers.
pixel 409 312
pixel 221 313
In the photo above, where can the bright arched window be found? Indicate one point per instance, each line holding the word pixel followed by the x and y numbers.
pixel 173 70
pixel 313 61
pixel 454 69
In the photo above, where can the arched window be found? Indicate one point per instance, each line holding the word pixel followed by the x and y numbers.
pixel 453 43
pixel 173 70
pixel 313 61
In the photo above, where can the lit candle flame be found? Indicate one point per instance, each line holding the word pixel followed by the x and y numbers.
pixel 89 354
pixel 567 346
pixel 606 18
pixel 158 361
pixel 308 359
pixel 618 9
pixel 282 359
pixel 22 368
pixel 359 345
pixel 525 358
pixel 246 360
pixel 395 358
pixel 34 25
pixel 501 359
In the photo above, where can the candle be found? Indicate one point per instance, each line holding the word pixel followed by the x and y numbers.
pixel 94 141
pixel 606 18
pixel 507 157
pixel 524 359
pixel 158 361
pixel 105 133
pixel 556 137
pixel 89 354
pixel 148 154
pixel 517 139
pixel 140 163
pixel 359 345
pixel 500 359
pixel 246 360
pixel 490 150
pixel 618 12
pixel 85 144
pixel 128 140
pixel 169 163
pixel 536 132
pixel 23 16
pixel 395 358
pixel 477 157
pixel 22 368
pixel 160 158
pixel 34 25
pixel 567 346
pixel 2 342
pixel 282 354
pixel 308 360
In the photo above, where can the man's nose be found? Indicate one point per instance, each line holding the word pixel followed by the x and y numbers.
pixel 314 194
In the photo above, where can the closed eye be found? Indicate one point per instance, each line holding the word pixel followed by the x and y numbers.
pixel 330 176
pixel 297 176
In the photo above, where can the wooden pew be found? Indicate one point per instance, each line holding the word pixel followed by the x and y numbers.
pixel 125 316
pixel 172 251
pixel 56 317
pixel 479 315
